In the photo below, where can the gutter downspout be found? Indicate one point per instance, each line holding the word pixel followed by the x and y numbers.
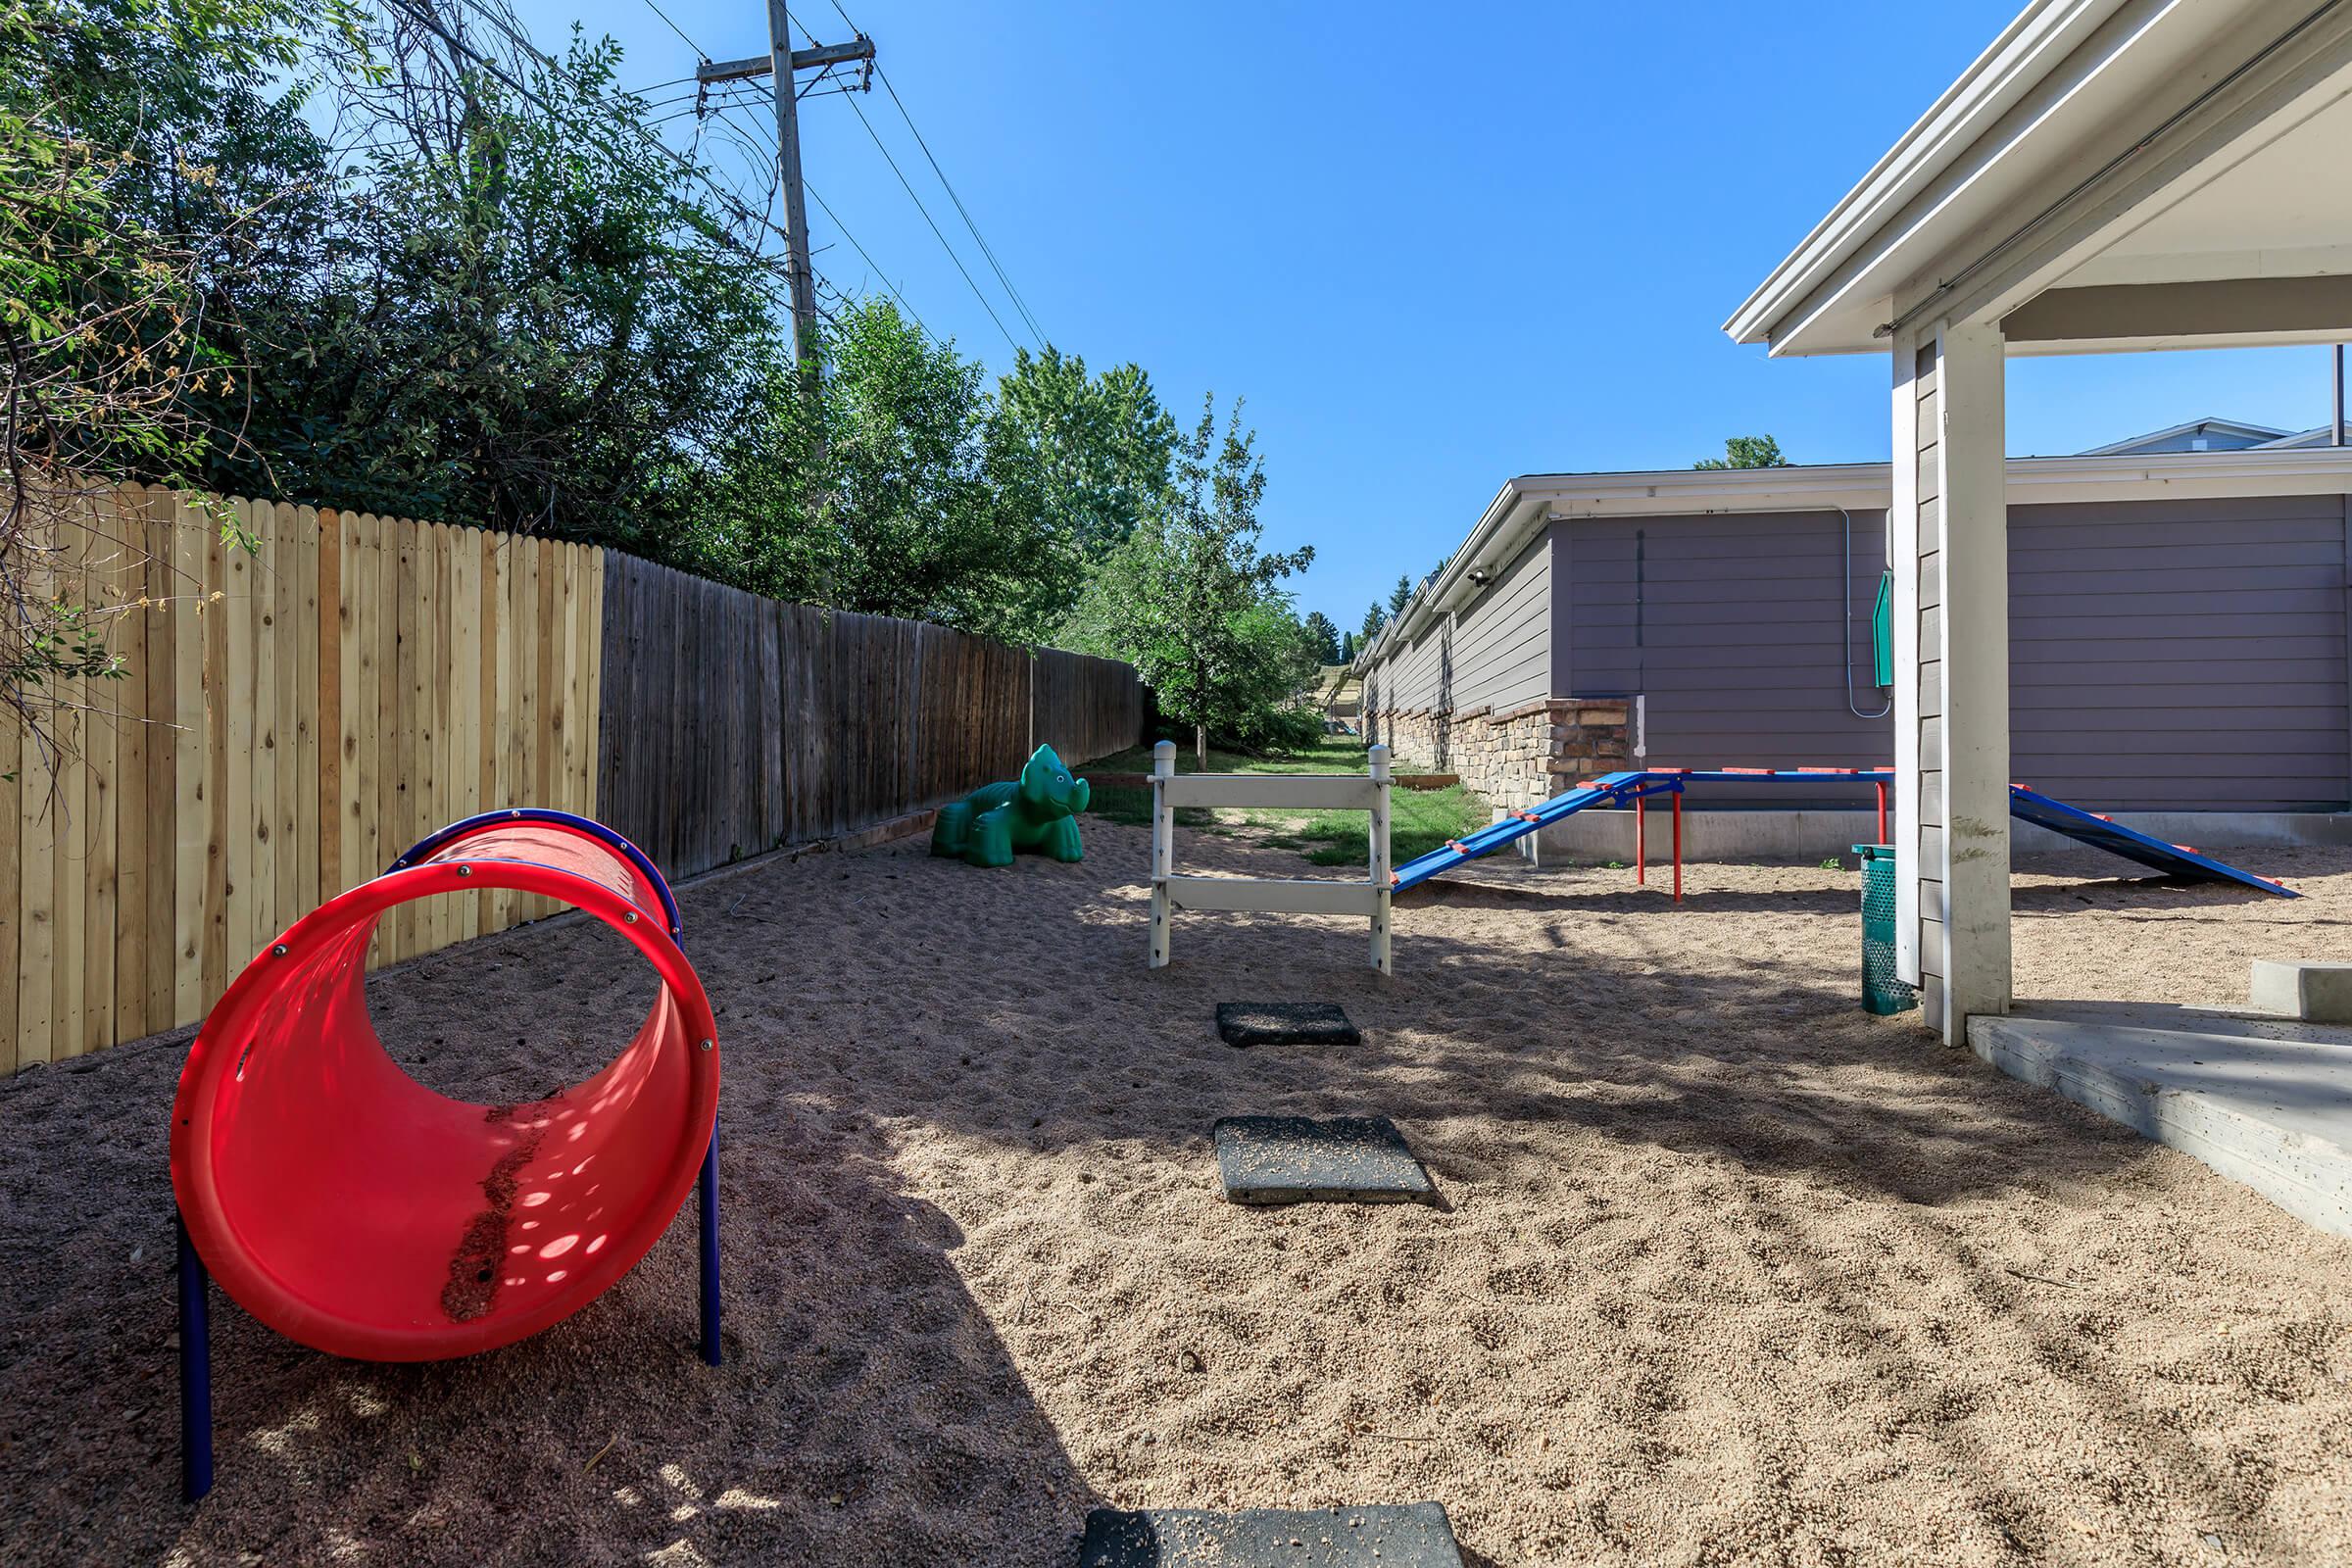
pixel 1847 642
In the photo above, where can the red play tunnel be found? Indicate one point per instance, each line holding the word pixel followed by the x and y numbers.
pixel 359 1212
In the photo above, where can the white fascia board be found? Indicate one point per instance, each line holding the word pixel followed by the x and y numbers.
pixel 2127 477
pixel 1696 491
pixel 2066 122
pixel 2291 338
pixel 2293 65
pixel 2198 476
pixel 1500 533
pixel 2028 49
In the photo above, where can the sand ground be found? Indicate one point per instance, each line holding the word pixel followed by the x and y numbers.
pixel 1728 1272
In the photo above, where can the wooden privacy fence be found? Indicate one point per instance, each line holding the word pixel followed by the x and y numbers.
pixel 296 717
pixel 292 719
pixel 732 723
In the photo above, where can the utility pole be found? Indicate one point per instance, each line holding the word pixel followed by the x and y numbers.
pixel 782 65
pixel 2339 421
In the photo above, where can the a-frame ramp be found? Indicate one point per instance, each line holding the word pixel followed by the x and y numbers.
pixel 2173 859
pixel 2029 806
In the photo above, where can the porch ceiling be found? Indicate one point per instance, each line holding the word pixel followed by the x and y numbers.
pixel 2284 210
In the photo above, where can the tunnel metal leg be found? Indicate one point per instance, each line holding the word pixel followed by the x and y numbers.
pixel 195 1370
pixel 709 1204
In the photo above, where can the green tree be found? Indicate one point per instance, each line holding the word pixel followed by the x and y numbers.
pixel 1401 595
pixel 1074 461
pixel 1746 451
pixel 1375 617
pixel 104 326
pixel 1324 637
pixel 877 499
pixel 1348 649
pixel 1193 601
pixel 516 313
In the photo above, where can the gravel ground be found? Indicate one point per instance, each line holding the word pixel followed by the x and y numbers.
pixel 1724 1271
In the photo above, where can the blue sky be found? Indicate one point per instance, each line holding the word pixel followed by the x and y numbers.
pixel 1433 247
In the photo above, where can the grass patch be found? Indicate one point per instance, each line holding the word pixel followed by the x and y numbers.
pixel 1419 820
pixel 1132 807
pixel 1333 754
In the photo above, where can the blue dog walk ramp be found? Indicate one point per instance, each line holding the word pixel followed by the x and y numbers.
pixel 2029 806
pixel 1610 789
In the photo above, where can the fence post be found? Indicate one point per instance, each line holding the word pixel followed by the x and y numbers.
pixel 1164 847
pixel 1380 858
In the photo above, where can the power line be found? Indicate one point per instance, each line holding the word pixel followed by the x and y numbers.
pixel 986 248
pixel 523 41
pixel 909 187
pixel 827 209
pixel 433 23
pixel 750 140
pixel 1020 305
pixel 733 199
pixel 699 53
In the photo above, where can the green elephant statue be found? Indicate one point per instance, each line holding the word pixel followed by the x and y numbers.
pixel 1037 813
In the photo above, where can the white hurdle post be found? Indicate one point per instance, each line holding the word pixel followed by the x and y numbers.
pixel 1347 792
pixel 1164 847
pixel 1380 858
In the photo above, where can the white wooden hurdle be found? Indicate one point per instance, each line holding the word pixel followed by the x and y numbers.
pixel 1344 792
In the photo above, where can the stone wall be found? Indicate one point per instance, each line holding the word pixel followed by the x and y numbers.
pixel 1518 756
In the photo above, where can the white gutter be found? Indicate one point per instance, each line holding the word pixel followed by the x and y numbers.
pixel 2040 37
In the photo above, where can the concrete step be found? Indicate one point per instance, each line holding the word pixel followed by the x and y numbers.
pixel 2264 1101
pixel 2291 988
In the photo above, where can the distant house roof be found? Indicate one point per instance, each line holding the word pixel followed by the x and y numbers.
pixel 2319 435
pixel 2198 435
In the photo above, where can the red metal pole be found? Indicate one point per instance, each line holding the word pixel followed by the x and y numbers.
pixel 1678 846
pixel 1641 840
pixel 1882 810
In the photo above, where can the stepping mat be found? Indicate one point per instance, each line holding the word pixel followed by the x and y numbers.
pixel 1293 1160
pixel 1414 1535
pixel 1286 1023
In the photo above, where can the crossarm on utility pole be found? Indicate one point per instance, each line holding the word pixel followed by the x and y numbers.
pixel 830 54
pixel 782 64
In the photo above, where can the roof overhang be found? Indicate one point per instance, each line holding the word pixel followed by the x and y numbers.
pixel 2112 173
pixel 1532 502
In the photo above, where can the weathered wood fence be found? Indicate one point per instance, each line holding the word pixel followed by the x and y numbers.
pixel 733 723
pixel 294 717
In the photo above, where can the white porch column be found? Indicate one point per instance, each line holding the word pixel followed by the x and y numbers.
pixel 1952 601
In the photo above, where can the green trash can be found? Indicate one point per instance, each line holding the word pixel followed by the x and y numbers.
pixel 1883 989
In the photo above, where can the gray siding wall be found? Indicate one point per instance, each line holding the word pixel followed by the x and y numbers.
pixel 1418 673
pixel 1494 654
pixel 2175 655
pixel 1503 640
pixel 1732 629
pixel 2178 654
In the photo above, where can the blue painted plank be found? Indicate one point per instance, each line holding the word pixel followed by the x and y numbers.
pixel 1622 788
pixel 2173 859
